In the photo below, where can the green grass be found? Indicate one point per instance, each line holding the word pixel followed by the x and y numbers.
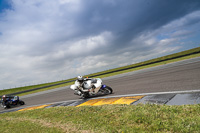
pixel 18 89
pixel 107 119
pixel 152 65
pixel 168 58
pixel 13 90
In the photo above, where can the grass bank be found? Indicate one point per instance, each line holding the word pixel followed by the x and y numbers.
pixel 146 64
pixel 45 86
pixel 107 119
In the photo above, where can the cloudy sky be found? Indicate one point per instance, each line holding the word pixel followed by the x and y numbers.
pixel 50 40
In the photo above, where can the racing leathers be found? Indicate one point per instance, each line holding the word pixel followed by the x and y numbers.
pixel 86 84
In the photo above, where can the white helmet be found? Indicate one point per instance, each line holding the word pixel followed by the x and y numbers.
pixel 80 78
pixel 4 97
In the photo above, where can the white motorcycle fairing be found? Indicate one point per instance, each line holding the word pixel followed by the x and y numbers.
pixel 90 87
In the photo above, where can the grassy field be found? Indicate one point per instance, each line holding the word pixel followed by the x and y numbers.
pixel 106 119
pixel 166 58
pixel 18 89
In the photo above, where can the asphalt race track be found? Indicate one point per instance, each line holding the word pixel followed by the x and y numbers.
pixel 179 76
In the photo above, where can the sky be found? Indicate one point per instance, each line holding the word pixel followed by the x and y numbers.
pixel 50 40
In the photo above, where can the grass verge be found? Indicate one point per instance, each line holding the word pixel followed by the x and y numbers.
pixel 102 75
pixel 107 118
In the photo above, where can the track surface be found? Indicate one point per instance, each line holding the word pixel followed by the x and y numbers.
pixel 179 76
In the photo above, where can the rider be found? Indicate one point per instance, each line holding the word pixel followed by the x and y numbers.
pixel 79 81
pixel 79 84
pixel 4 99
pixel 15 100
pixel 9 99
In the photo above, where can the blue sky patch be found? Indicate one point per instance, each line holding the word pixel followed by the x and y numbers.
pixel 4 4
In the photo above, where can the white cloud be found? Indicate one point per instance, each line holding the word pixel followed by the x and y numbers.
pixel 192 19
pixel 42 40
pixel 181 33
pixel 167 41
pixel 90 44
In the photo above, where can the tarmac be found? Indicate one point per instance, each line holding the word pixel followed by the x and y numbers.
pixel 161 98
pixel 165 84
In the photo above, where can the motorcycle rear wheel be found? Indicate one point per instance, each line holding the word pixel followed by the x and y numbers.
pixel 6 106
pixel 84 95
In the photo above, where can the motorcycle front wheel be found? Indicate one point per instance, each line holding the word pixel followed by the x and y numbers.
pixel 108 90
pixel 21 102
pixel 6 106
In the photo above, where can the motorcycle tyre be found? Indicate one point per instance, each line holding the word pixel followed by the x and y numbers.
pixel 21 102
pixel 84 95
pixel 108 89
pixel 7 107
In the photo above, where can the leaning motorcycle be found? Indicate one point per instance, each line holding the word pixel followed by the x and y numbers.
pixel 12 101
pixel 86 90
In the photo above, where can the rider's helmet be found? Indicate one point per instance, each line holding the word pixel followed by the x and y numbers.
pixel 4 97
pixel 80 78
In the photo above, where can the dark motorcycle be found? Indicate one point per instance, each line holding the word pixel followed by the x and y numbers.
pixel 9 101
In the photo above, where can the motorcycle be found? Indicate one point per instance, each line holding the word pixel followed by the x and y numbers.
pixel 9 101
pixel 91 87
